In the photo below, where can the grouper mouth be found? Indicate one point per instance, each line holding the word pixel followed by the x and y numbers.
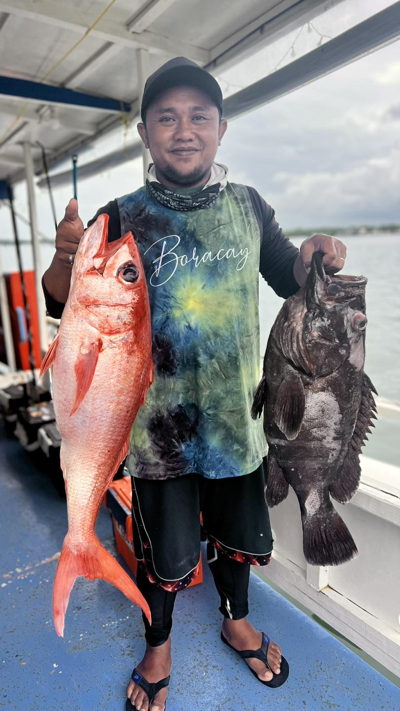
pixel 337 287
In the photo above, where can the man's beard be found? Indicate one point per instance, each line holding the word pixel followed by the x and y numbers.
pixel 198 176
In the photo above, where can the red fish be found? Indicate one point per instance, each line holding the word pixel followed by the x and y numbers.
pixel 101 369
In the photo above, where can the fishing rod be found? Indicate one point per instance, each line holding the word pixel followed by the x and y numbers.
pixel 23 287
pixel 46 172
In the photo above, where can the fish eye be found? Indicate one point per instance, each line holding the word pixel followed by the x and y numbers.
pixel 360 321
pixel 129 272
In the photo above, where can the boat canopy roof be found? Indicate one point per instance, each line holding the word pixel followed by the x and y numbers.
pixel 71 72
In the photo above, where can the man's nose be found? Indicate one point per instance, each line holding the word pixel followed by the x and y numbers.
pixel 184 130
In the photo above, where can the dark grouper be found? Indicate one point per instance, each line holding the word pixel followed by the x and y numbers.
pixel 318 406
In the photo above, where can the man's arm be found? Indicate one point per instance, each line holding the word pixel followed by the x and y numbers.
pixel 56 280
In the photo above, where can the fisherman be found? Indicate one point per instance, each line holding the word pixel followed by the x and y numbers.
pixel 203 241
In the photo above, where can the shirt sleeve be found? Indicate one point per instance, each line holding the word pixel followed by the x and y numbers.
pixel 55 308
pixel 277 253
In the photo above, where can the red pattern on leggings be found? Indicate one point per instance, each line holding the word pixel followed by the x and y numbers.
pixel 239 556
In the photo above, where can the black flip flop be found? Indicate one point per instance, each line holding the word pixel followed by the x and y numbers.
pixel 261 654
pixel 150 689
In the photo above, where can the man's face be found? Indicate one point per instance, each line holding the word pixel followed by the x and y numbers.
pixel 182 131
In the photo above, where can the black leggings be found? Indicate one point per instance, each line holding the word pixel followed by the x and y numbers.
pixel 231 579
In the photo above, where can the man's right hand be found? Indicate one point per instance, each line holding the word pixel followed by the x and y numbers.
pixel 57 278
pixel 69 233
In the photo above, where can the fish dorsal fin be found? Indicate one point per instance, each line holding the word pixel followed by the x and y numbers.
pixel 84 371
pixel 50 356
pixel 348 476
pixel 289 405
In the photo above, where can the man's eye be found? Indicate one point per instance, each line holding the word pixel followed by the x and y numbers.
pixel 198 118
pixel 166 119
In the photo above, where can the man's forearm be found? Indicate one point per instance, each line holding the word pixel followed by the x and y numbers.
pixel 57 279
pixel 299 271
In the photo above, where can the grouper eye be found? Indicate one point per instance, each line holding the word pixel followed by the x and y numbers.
pixel 359 321
pixel 129 272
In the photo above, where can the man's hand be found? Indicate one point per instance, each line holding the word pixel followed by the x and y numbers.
pixel 334 252
pixel 334 255
pixel 57 278
pixel 69 233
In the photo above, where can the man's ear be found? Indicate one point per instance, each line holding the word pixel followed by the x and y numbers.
pixel 223 125
pixel 143 133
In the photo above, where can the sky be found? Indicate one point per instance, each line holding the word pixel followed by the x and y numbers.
pixel 327 154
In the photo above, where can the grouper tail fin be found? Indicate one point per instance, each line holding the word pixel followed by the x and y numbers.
pixel 92 561
pixel 326 538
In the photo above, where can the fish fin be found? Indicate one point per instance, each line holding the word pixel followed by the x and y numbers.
pixel 92 562
pixel 259 398
pixel 346 484
pixel 50 356
pixel 84 371
pixel 326 538
pixel 277 487
pixel 290 405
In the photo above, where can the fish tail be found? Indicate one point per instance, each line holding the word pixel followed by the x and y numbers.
pixel 91 562
pixel 326 538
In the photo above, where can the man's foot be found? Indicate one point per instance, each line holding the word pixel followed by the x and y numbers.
pixel 242 635
pixel 155 665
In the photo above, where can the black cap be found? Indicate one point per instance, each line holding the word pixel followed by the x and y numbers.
pixel 176 72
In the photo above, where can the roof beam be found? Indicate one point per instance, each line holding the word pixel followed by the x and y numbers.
pixel 271 25
pixel 148 14
pixel 73 19
pixel 50 94
pixel 92 65
pixel 366 37
pixel 29 113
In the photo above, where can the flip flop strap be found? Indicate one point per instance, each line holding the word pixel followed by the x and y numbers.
pixel 151 689
pixel 260 653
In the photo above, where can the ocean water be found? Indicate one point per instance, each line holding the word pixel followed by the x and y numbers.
pixel 376 256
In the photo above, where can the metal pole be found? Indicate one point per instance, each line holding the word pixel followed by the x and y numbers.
pixel 6 321
pixel 29 174
pixel 142 58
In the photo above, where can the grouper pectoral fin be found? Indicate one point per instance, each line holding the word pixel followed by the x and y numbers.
pixel 277 487
pixel 348 476
pixel 84 371
pixel 289 405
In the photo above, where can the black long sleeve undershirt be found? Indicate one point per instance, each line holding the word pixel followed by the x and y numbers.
pixel 277 253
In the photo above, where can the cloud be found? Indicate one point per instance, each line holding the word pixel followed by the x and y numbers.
pixel 389 75
pixel 366 193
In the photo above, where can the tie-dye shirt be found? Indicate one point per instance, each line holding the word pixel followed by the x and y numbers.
pixel 202 268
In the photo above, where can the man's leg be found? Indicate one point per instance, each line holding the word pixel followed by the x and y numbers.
pixel 237 524
pixel 156 663
pixel 166 529
pixel 232 581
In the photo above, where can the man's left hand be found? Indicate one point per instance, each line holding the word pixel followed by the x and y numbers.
pixel 334 255
pixel 334 252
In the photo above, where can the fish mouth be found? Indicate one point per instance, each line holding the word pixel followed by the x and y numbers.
pixel 351 280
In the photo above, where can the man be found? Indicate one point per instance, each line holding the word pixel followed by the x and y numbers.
pixel 203 241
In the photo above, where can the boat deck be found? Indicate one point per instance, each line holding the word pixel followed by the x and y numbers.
pixel 88 669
